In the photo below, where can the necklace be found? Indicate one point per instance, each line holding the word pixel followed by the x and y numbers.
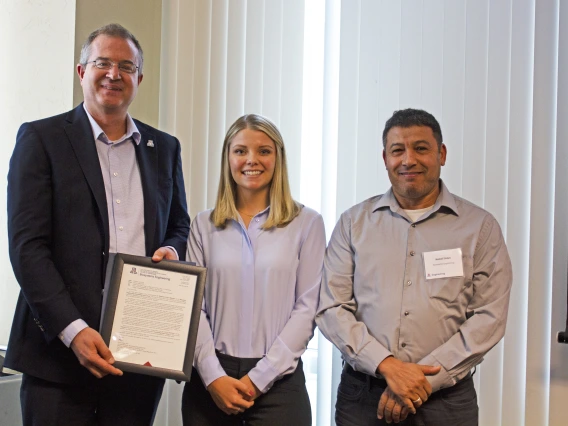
pixel 246 214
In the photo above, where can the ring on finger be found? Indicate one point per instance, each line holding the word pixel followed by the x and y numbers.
pixel 417 401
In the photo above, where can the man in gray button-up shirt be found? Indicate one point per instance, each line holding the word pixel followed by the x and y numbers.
pixel 415 289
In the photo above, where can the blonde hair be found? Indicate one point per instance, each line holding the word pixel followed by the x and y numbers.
pixel 283 208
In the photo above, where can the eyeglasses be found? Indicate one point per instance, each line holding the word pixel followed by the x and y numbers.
pixel 107 64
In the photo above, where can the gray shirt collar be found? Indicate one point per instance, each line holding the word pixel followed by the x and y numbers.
pixel 445 199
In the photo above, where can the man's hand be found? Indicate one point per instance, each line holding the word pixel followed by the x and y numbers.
pixel 228 394
pixel 247 381
pixel 93 354
pixel 408 381
pixel 390 408
pixel 164 253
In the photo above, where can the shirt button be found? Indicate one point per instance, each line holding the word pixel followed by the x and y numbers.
pixel 121 228
pixel 406 313
pixel 257 220
pixel 409 282
pixel 414 225
pixel 412 253
pixel 117 201
pixel 403 345
pixel 115 174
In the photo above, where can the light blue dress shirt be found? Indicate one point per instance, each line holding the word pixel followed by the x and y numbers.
pixel 123 188
pixel 261 293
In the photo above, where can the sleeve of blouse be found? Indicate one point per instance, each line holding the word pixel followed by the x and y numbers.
pixel 205 360
pixel 282 357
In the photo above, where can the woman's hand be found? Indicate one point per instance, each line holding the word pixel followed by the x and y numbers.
pixel 247 381
pixel 231 395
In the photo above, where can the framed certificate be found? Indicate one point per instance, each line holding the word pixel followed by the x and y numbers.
pixel 151 315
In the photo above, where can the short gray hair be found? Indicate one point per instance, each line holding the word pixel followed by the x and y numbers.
pixel 111 30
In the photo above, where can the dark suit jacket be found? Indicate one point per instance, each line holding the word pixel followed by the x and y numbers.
pixel 58 232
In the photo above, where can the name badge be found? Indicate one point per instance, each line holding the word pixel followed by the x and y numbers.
pixel 443 263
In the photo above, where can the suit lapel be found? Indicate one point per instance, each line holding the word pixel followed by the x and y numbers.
pixel 147 156
pixel 80 136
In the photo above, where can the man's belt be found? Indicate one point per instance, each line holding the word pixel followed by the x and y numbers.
pixel 362 377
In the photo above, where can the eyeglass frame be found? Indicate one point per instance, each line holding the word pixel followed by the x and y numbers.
pixel 112 64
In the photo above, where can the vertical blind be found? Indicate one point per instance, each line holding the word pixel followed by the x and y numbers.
pixel 330 72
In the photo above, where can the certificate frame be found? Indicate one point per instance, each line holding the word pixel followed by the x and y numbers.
pixel 114 278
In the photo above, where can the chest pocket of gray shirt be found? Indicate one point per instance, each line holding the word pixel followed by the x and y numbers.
pixel 450 289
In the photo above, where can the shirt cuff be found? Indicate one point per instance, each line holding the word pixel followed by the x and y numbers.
pixel 442 379
pixel 175 251
pixel 69 332
pixel 263 375
pixel 368 360
pixel 210 370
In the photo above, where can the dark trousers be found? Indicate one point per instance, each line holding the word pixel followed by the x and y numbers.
pixel 111 401
pixel 358 398
pixel 286 403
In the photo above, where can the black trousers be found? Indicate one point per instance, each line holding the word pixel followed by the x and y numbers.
pixel 286 403
pixel 358 398
pixel 131 399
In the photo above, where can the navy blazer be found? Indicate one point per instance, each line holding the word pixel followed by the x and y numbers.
pixel 58 232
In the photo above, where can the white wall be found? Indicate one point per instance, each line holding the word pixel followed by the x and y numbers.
pixel 36 81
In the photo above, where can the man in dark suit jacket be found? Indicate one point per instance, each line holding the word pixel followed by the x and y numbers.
pixel 81 184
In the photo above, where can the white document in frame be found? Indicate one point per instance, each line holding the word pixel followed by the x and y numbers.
pixel 443 263
pixel 153 312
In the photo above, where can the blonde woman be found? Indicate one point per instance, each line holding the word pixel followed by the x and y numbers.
pixel 264 255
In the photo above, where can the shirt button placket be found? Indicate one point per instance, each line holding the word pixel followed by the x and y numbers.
pixel 408 271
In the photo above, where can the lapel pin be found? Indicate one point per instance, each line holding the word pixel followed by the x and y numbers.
pixel 150 143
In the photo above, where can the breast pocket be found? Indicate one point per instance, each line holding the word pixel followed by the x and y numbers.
pixel 449 289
